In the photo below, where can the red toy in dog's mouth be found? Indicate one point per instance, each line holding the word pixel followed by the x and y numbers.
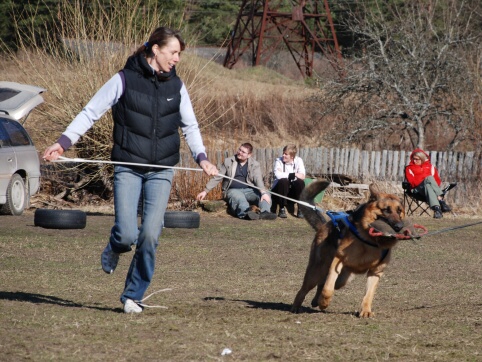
pixel 409 230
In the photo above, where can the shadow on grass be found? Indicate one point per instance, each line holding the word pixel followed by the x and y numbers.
pixel 47 299
pixel 278 306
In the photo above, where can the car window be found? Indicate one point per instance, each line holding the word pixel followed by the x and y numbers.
pixel 4 139
pixel 15 133
pixel 7 93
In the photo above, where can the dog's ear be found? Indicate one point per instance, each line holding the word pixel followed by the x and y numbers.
pixel 374 193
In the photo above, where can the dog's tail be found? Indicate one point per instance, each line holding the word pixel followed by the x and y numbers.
pixel 314 217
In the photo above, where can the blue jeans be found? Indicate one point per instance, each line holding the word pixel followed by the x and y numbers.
pixel 240 199
pixel 128 185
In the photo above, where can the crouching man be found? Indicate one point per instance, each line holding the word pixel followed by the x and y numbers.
pixel 249 191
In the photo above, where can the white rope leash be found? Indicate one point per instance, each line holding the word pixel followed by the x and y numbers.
pixel 142 304
pixel 82 160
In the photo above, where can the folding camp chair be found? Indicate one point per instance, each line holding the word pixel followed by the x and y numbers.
pixel 415 201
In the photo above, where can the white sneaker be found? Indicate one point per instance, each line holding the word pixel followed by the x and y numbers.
pixel 109 259
pixel 132 307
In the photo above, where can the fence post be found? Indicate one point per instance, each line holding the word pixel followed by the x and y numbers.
pixel 378 157
pixel 460 164
pixel 452 165
pixel 324 166
pixel 468 162
pixel 395 166
pixel 383 164
pixel 344 162
pixel 389 166
pixel 331 161
pixel 364 165
pixel 336 165
pixel 401 168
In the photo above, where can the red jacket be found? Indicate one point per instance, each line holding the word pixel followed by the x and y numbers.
pixel 415 174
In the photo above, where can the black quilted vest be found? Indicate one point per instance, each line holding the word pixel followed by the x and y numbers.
pixel 147 117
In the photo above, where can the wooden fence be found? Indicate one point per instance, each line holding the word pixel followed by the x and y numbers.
pixel 367 166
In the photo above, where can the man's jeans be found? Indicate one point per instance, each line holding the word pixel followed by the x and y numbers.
pixel 240 199
pixel 128 185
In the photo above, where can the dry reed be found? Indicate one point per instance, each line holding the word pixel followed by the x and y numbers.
pixel 88 46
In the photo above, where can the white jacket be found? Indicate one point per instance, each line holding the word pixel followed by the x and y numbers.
pixel 282 170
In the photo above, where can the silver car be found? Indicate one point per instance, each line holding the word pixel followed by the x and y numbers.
pixel 19 159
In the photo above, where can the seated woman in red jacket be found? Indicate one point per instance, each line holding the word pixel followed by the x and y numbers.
pixel 425 180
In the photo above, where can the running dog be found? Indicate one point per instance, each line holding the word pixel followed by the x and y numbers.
pixel 344 246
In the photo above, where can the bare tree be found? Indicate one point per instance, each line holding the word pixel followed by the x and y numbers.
pixel 410 82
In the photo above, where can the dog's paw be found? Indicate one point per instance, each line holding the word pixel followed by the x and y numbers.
pixel 324 301
pixel 366 314
pixel 295 309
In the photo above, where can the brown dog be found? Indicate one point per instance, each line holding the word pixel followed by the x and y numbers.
pixel 338 252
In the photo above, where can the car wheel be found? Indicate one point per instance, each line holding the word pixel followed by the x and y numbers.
pixel 60 219
pixel 17 197
pixel 181 219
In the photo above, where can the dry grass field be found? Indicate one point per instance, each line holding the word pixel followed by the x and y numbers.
pixel 231 286
pixel 230 283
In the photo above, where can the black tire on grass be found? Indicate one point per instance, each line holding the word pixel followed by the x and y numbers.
pixel 182 219
pixel 60 219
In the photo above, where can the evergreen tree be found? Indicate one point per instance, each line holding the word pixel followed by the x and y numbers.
pixel 26 16
pixel 212 20
pixel 7 30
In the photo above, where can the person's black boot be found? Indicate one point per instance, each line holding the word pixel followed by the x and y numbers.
pixel 282 213
pixel 444 206
pixel 437 213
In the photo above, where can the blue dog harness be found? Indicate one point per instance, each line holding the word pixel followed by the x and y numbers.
pixel 343 218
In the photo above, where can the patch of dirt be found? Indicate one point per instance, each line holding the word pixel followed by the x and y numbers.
pixel 231 285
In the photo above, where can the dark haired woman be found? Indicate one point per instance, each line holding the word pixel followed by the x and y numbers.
pixel 149 103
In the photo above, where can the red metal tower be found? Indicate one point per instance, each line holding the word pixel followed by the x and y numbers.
pixel 303 26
